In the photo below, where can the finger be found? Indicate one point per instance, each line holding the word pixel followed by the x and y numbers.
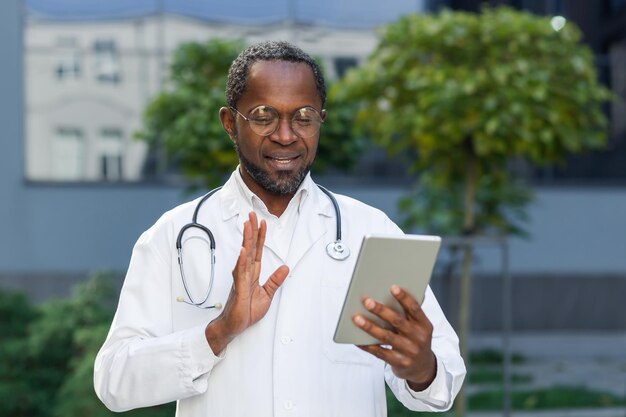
pixel 258 250
pixel 275 280
pixel 254 224
pixel 261 241
pixel 247 235
pixel 396 320
pixel 239 272
pixel 410 305
pixel 397 341
pixel 392 357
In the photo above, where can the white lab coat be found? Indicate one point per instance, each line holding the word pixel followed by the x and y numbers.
pixel 287 363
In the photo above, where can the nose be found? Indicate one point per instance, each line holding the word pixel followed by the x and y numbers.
pixel 284 134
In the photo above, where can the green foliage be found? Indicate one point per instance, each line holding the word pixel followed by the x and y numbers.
pixel 47 353
pixel 437 203
pixel 340 142
pixel 184 119
pixel 465 93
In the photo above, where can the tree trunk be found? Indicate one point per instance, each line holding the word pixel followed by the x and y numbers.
pixel 471 179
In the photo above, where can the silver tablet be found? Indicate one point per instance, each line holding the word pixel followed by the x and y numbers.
pixel 407 261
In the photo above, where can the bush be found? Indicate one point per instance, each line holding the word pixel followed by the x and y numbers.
pixel 48 351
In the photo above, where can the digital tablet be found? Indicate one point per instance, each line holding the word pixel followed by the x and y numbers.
pixel 407 261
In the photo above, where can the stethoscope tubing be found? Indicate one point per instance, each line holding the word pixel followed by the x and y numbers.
pixel 336 250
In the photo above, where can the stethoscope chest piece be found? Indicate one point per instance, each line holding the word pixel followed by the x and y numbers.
pixel 337 250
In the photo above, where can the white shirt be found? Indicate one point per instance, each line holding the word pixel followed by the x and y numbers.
pixel 280 229
pixel 286 364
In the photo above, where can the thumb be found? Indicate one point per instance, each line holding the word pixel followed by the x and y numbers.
pixel 275 280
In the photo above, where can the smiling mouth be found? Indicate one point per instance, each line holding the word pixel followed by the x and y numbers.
pixel 283 162
pixel 283 159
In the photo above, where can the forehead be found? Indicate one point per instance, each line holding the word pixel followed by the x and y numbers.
pixel 280 84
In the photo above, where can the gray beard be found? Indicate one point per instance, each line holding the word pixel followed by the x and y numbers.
pixel 287 182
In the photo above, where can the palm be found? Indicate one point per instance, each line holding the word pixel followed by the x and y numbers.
pixel 249 301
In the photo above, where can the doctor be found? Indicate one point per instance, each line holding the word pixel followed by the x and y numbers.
pixel 264 347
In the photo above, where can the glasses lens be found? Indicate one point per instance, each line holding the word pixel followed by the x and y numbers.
pixel 263 120
pixel 306 122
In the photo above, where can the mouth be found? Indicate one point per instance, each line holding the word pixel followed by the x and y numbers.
pixel 283 162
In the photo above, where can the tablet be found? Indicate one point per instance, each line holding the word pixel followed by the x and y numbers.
pixel 405 260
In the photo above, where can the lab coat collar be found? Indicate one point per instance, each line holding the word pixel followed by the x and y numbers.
pixel 315 208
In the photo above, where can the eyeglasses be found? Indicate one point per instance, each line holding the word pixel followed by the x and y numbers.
pixel 263 121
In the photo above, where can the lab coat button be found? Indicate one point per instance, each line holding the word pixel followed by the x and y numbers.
pixel 200 369
pixel 285 340
pixel 288 405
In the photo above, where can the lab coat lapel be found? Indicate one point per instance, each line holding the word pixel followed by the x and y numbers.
pixel 312 224
pixel 230 204
pixel 234 210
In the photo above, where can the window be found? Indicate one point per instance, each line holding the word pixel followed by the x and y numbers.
pixel 110 154
pixel 68 155
pixel 107 62
pixel 343 64
pixel 68 66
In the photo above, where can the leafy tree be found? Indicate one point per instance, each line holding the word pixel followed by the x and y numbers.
pixel 465 93
pixel 184 118
pixel 48 352
pixel 16 313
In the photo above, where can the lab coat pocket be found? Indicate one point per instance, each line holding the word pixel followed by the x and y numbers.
pixel 331 304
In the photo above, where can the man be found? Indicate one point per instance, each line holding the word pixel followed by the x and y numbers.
pixel 262 345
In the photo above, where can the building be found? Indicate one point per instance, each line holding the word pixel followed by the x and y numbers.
pixel 91 71
pixel 73 199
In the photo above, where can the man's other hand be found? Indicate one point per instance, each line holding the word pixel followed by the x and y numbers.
pixel 406 344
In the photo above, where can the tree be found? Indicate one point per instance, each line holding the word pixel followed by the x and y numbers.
pixel 466 93
pixel 47 353
pixel 184 120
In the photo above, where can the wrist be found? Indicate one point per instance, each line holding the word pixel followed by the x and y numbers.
pixel 421 385
pixel 217 337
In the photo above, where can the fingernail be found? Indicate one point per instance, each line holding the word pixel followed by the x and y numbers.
pixel 359 320
pixel 369 303
pixel 395 290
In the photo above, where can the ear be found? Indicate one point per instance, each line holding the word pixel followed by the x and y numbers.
pixel 228 122
pixel 323 114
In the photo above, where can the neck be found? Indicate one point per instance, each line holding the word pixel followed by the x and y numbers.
pixel 276 203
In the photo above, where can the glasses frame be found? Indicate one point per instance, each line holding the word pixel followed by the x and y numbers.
pixel 247 119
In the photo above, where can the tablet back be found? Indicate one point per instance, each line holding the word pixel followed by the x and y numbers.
pixel 405 260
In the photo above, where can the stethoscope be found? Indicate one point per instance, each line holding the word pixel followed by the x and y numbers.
pixel 336 250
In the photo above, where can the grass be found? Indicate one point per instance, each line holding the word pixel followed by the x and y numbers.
pixel 547 398
pixel 486 369
pixel 492 357
pixel 537 399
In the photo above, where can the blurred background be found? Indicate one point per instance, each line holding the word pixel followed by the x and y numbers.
pixel 103 116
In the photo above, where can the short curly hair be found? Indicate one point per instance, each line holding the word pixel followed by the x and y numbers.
pixel 268 51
